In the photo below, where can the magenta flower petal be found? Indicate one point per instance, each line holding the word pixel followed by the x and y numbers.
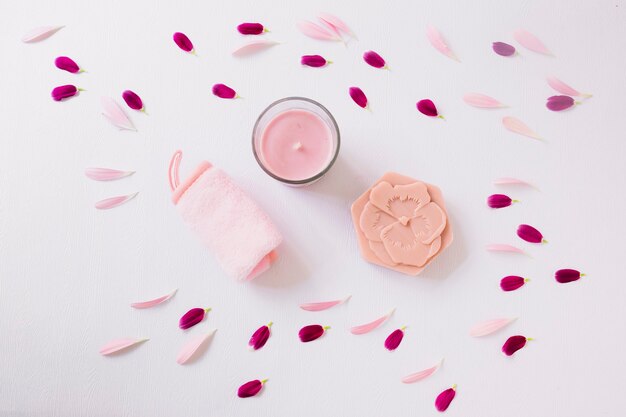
pixel 375 60
pixel 428 108
pixel 64 91
pixel 564 276
pixel 183 42
pixel 311 332
pixel 530 234
pixel 503 49
pixel 445 398
pixel 394 339
pixel 314 61
pixel 260 337
pixel 358 96
pixel 558 103
pixel 250 388
pixel 251 29
pixel 132 100
pixel 192 317
pixel 224 91
pixel 67 64
pixel 499 201
pixel 512 282
pixel 513 344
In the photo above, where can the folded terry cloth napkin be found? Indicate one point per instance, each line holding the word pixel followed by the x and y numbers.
pixel 238 232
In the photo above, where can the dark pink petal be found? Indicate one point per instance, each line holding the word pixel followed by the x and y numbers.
pixel 513 344
pixel 64 91
pixel 251 28
pixel 183 42
pixel 567 275
pixel 260 337
pixel 445 398
pixel 374 59
pixel 428 108
pixel 499 201
pixel 192 317
pixel 358 96
pixel 530 234
pixel 512 282
pixel 558 103
pixel 67 64
pixel 132 100
pixel 251 388
pixel 311 332
pixel 394 339
pixel 503 49
pixel 224 91
pixel 314 61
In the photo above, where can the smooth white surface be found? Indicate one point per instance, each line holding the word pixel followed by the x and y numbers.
pixel 69 272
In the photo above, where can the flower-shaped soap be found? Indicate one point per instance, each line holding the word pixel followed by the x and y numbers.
pixel 401 223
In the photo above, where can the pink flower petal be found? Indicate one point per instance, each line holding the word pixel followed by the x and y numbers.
pixel 503 247
pixel 559 103
pixel 336 23
pixel 315 61
pixel 563 276
pixel 312 332
pixel 322 305
pixel 40 33
pixel 192 317
pixel 500 201
pixel 517 126
pixel 428 108
pixel 513 344
pixel 67 64
pixel 368 327
pixel 251 388
pixel 394 339
pixel 490 326
pixel 154 302
pixel 224 91
pixel 315 31
pixel 512 282
pixel 106 174
pixel 119 344
pixel 372 58
pixel 437 41
pixel 443 400
pixel 133 100
pixel 251 29
pixel 260 337
pixel 253 47
pixel 358 96
pixel 113 202
pixel 530 234
pixel 423 374
pixel 482 101
pixel 530 41
pixel 510 181
pixel 63 92
pixel 192 348
pixel 563 88
pixel 503 49
pixel 183 42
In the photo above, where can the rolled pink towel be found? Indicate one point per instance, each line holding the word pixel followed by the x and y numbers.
pixel 238 232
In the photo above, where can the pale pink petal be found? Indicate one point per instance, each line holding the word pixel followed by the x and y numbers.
pixel 112 202
pixel 403 246
pixel 154 302
pixel 253 47
pixel 519 127
pixel 563 88
pixel 530 41
pixel 428 223
pixel 336 23
pixel 373 220
pixel 106 174
pixel 40 33
pixel 315 31
pixel 119 344
pixel 114 114
pixel 400 200
pixel 510 181
pixel 481 100
pixel 503 247
pixel 368 327
pixel 191 348
pixel 423 374
pixel 437 41
pixel 322 305
pixel 490 326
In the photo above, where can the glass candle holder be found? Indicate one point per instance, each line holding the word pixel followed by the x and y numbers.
pixel 296 140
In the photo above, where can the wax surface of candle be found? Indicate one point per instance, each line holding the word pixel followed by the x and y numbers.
pixel 296 145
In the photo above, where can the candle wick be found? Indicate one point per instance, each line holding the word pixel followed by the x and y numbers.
pixel 297 146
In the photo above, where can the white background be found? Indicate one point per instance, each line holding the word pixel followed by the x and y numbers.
pixel 68 272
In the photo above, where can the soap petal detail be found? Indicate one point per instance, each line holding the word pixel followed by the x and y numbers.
pixel 403 246
pixel 400 200
pixel 373 221
pixel 428 223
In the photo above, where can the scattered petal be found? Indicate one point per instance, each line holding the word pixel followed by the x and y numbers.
pixel 224 91
pixel 564 276
pixel 119 344
pixel 336 23
pixel 372 58
pixel 112 202
pixel 315 31
pixel 445 398
pixel 530 234
pixel 437 41
pixel 563 88
pixel 40 33
pixel 154 302
pixel 251 388
pixel 133 100
pixel 192 317
pixel 428 108
pixel 510 181
pixel 423 374
pixel 260 337
pixel 512 282
pixel 481 100
pixel 490 326
pixel 314 61
pixel 368 327
pixel 106 174
pixel 503 247
pixel 253 47
pixel 530 41
pixel 67 64
pixel 190 349
pixel 114 114
pixel 311 332
pixel 558 103
pixel 394 339
pixel 64 91
pixel 358 96
pixel 183 42
pixel 519 127
pixel 251 29
pixel 323 305
pixel 500 201
pixel 503 49
pixel 513 344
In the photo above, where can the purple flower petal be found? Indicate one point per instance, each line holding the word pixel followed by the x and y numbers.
pixel 358 96
pixel 530 234
pixel 314 61
pixel 445 398
pixel 64 91
pixel 183 42
pixel 512 282
pixel 394 339
pixel 311 332
pixel 192 317
pixel 260 337
pixel 558 103
pixel 428 108
pixel 503 49
pixel 564 276
pixel 375 60
pixel 251 388
pixel 224 91
pixel 67 64
pixel 513 344
pixel 132 100
pixel 251 29
pixel 499 201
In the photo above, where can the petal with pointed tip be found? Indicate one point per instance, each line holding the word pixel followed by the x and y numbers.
pixel 368 327
pixel 192 348
pixel 253 47
pixel 490 326
pixel 153 302
pixel 119 344
pixel 112 202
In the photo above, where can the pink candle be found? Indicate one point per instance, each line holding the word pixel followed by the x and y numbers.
pixel 296 140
